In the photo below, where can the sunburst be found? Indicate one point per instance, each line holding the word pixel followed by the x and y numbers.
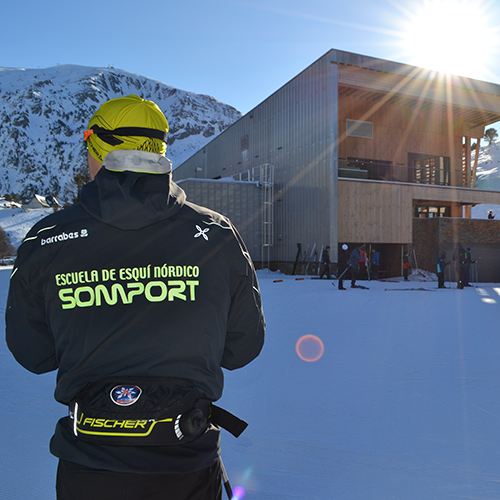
pixel 451 36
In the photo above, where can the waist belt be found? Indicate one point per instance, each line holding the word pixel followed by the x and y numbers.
pixel 144 411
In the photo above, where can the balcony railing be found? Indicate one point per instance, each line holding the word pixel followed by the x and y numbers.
pixel 426 173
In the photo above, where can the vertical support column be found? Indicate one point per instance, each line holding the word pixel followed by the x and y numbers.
pixel 333 84
pixel 474 170
pixel 466 173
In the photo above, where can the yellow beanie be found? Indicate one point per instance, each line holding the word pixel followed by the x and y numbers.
pixel 127 123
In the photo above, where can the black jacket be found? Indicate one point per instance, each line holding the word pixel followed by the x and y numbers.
pixel 343 259
pixel 353 261
pixel 134 281
pixel 325 257
pixel 460 256
pixel 441 264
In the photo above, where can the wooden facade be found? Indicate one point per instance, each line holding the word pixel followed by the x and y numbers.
pixel 398 131
pixel 410 117
pixel 383 212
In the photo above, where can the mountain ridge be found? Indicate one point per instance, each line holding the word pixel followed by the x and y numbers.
pixel 43 113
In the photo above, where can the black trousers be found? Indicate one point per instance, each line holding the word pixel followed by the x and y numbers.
pixel 460 277
pixel 77 482
pixel 440 279
pixel 354 275
pixel 326 270
pixel 342 273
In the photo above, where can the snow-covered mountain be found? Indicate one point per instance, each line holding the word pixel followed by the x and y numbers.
pixel 487 175
pixel 43 113
pixel 488 166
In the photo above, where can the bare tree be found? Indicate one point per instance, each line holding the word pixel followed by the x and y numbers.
pixel 490 135
pixel 7 249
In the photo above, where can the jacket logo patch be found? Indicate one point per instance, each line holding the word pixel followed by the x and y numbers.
pixel 202 232
pixel 125 395
pixel 83 233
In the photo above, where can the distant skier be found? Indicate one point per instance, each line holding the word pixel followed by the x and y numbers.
pixel 343 266
pixel 325 261
pixel 468 262
pixel 353 264
pixel 491 215
pixel 441 265
pixel 362 270
pixel 375 264
pixel 460 258
pixel 406 266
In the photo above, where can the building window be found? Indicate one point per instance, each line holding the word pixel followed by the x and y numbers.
pixel 244 143
pixel 428 169
pixel 365 168
pixel 427 211
pixel 357 128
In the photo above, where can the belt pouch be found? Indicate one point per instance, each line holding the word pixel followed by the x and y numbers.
pixel 139 411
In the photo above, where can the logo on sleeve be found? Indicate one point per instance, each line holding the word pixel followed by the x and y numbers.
pixel 202 232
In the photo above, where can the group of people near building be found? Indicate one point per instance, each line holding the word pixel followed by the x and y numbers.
pixel 354 264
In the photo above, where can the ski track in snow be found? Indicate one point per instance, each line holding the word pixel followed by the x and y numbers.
pixel 402 405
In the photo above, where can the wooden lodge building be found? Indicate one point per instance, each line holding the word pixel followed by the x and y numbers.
pixel 355 150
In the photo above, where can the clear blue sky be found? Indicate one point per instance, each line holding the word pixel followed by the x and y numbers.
pixel 241 51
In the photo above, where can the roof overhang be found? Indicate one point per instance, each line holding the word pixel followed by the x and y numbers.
pixel 380 82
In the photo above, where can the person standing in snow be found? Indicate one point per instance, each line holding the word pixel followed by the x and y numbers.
pixel 353 264
pixel 441 265
pixel 406 266
pixel 343 266
pixel 490 214
pixel 375 264
pixel 468 262
pixel 325 260
pixel 362 269
pixel 460 258
pixel 138 299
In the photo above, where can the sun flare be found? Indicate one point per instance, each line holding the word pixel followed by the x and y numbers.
pixel 450 35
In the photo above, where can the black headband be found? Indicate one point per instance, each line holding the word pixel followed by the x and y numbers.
pixel 108 136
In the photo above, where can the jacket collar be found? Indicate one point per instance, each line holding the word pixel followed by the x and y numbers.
pixel 137 161
pixel 131 200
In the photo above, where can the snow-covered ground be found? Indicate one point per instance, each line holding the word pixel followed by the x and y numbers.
pixel 403 403
pixel 17 222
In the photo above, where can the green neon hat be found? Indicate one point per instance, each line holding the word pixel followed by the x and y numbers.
pixel 127 123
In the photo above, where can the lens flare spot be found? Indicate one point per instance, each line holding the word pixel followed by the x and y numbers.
pixel 238 493
pixel 309 348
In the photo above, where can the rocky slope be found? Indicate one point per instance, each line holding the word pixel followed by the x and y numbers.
pixel 43 113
